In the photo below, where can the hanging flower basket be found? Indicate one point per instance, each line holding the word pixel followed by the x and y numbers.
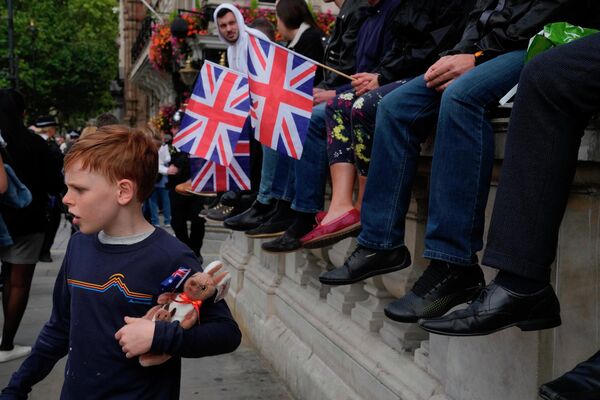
pixel 164 122
pixel 166 49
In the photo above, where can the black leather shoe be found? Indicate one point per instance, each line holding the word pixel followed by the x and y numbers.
pixel 497 308
pixel 275 226
pixel 251 218
pixel 364 263
pixel 441 287
pixel 230 198
pixel 286 243
pixel 581 383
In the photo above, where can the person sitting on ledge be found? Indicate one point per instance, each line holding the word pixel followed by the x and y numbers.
pixel 558 93
pixel 458 90
pixel 351 115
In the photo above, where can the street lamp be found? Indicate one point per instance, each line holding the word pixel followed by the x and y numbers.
pixel 188 73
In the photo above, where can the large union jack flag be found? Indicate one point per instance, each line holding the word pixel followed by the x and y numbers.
pixel 281 84
pixel 208 176
pixel 215 114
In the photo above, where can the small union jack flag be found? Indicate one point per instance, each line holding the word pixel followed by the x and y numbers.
pixel 208 176
pixel 281 84
pixel 215 114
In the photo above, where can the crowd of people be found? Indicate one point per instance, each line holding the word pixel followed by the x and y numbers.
pixel 418 69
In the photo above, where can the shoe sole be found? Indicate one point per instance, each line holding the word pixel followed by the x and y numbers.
pixel 265 235
pixel 281 251
pixel 371 274
pixel 468 295
pixel 214 221
pixel 202 194
pixel 333 238
pixel 238 228
pixel 525 326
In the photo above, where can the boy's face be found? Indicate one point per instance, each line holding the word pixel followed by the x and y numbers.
pixel 92 199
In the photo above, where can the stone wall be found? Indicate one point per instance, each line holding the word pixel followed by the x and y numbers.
pixel 335 343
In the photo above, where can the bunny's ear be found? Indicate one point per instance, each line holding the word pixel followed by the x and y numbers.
pixel 213 267
pixel 222 282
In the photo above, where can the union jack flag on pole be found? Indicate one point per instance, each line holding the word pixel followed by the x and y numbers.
pixel 281 84
pixel 215 114
pixel 208 176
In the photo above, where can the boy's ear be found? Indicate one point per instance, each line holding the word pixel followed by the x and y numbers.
pixel 126 189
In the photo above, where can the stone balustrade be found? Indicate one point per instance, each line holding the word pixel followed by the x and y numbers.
pixel 334 342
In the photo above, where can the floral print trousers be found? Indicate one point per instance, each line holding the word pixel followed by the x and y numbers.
pixel 350 122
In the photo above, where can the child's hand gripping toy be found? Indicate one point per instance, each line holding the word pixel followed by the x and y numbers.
pixel 185 307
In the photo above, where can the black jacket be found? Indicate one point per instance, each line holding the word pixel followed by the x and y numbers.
pixel 339 51
pixel 30 157
pixel 422 29
pixel 309 45
pixel 499 26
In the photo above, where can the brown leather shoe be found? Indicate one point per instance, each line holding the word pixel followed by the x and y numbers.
pixel 184 188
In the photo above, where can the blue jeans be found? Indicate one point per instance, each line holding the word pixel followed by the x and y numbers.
pixel 269 167
pixel 303 181
pixel 462 161
pixel 161 193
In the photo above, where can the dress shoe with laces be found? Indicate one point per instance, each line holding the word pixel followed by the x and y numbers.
pixel 581 383
pixel 497 308
pixel 364 263
pixel 251 218
pixel 441 287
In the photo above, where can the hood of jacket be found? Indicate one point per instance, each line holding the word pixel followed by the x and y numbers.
pixel 237 53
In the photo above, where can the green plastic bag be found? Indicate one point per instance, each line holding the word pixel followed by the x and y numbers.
pixel 555 34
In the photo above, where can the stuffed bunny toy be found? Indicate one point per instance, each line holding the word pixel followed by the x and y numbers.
pixel 185 307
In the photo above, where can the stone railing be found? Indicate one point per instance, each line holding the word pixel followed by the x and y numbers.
pixel 335 343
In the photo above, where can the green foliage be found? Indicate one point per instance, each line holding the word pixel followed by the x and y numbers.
pixel 69 64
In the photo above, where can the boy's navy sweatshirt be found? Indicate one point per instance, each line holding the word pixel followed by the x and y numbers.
pixel 98 285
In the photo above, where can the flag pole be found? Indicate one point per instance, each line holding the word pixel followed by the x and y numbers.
pixel 335 71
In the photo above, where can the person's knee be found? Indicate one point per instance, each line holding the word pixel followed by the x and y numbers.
pixel 539 74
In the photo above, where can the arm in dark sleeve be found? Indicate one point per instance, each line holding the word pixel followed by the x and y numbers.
pixel 216 333
pixel 52 344
pixel 517 34
pixel 342 56
pixel 421 33
pixel 470 35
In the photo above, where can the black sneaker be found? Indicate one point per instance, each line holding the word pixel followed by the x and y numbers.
pixel 364 263
pixel 251 218
pixel 441 287
pixel 219 213
pixel 275 226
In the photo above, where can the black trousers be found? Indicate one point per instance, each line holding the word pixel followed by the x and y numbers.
pixel 559 91
pixel 183 209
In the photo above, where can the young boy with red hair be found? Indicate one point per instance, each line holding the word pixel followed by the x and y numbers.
pixel 110 276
